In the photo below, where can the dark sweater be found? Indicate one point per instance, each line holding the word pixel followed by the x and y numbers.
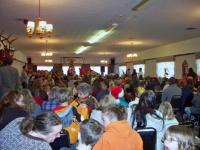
pixel 10 114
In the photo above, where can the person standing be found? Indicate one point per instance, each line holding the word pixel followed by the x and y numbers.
pixel 9 77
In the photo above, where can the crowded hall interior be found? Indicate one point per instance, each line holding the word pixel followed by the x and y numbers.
pixel 100 75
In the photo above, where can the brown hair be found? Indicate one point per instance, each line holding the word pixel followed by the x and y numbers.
pixel 8 100
pixel 63 94
pixel 107 101
pixel 116 112
pixel 184 136
pixel 42 123
pixel 90 131
pixel 28 100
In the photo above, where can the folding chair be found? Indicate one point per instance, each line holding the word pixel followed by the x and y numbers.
pixel 148 136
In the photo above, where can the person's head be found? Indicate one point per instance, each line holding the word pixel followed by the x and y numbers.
pixel 190 70
pixel 63 95
pixel 172 80
pixel 84 90
pixel 53 93
pixel 28 100
pixel 166 109
pixel 90 132
pixel 46 126
pixel 113 113
pixel 147 102
pixel 179 138
pixel 10 99
pixel 107 101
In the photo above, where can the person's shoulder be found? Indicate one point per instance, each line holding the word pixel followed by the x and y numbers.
pixel 13 125
pixel 43 146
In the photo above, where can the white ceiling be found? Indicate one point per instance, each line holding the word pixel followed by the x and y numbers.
pixel 156 23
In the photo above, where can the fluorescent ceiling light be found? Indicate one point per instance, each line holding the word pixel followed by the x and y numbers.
pixel 98 36
pixel 81 49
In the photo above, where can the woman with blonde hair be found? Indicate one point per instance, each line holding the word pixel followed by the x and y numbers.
pixel 162 119
pixel 145 115
pixel 166 110
pixel 179 138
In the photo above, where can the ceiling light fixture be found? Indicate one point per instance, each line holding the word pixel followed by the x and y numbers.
pixel 46 53
pixel 132 55
pixel 103 61
pixel 40 27
pixel 97 37
pixel 81 49
pixel 48 60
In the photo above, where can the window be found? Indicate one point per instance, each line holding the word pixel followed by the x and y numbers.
pixel 106 70
pixel 45 68
pixel 198 66
pixel 96 69
pixel 77 69
pixel 138 66
pixel 165 69
pixel 122 70
pixel 65 69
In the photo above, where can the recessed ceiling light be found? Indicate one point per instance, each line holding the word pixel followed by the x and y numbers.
pixel 191 28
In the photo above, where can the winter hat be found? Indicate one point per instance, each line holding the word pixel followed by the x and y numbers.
pixel 117 92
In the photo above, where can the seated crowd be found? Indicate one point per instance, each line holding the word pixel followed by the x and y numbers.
pixel 95 112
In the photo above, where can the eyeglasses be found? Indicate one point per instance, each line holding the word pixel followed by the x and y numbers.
pixel 169 139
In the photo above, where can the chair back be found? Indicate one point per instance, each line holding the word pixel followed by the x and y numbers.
pixel 148 136
pixel 176 103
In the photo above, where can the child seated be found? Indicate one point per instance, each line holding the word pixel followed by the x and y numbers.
pixel 90 132
pixel 179 138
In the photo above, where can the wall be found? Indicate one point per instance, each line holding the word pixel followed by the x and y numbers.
pixel 178 48
pixel 178 64
pixel 150 68
pixel 190 47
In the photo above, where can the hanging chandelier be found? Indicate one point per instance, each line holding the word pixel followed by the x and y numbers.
pixel 40 27
pixel 46 53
